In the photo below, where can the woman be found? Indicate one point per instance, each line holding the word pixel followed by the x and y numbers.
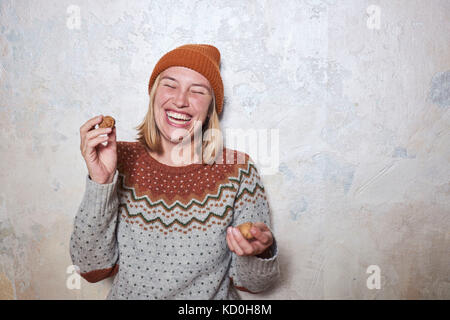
pixel 165 223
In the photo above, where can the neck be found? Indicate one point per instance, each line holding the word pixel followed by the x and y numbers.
pixel 178 154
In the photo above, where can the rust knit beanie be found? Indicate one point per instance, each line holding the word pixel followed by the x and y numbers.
pixel 203 58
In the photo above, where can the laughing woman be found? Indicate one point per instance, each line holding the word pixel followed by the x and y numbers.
pixel 163 224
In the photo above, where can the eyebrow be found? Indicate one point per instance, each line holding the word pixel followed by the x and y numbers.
pixel 194 84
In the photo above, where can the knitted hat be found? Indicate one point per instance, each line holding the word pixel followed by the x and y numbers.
pixel 202 58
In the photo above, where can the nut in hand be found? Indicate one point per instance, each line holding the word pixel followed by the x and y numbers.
pixel 108 122
pixel 245 230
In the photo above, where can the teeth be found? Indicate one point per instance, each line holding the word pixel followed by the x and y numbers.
pixel 178 121
pixel 178 116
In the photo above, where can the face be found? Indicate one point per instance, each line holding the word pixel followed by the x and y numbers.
pixel 182 97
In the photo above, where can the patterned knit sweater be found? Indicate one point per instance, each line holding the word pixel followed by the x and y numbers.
pixel 161 230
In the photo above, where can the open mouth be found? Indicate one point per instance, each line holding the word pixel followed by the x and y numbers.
pixel 178 119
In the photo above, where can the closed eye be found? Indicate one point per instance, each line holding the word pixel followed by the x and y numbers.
pixel 166 85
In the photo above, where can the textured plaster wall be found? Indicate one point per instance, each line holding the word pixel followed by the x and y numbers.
pixel 359 91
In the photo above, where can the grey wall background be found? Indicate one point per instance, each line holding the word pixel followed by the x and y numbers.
pixel 359 91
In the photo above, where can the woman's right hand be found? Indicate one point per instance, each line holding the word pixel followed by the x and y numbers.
pixel 101 161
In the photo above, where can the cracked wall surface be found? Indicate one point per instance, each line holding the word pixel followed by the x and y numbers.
pixel 359 92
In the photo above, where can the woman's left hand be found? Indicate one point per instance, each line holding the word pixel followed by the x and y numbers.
pixel 262 240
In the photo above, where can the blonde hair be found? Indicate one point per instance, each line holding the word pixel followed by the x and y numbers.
pixel 149 135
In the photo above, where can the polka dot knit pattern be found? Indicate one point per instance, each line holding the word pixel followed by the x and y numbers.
pixel 160 230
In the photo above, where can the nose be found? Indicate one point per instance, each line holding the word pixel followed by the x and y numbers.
pixel 181 98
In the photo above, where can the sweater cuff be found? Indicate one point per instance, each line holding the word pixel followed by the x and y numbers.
pixel 260 265
pixel 102 194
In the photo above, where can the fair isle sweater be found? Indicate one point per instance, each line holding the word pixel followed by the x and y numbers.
pixel 161 230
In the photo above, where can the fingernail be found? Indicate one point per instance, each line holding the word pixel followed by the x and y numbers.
pixel 236 231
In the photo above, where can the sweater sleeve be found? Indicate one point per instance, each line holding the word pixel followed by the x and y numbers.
pixel 252 273
pixel 93 244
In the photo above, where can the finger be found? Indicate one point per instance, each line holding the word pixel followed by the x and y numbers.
pixel 88 125
pixel 237 249
pixel 244 245
pixel 91 135
pixel 230 245
pixel 264 232
pixel 259 247
pixel 264 237
pixel 91 144
pixel 112 137
pixel 261 225
pixel 96 132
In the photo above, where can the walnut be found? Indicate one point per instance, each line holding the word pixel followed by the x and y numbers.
pixel 108 122
pixel 244 228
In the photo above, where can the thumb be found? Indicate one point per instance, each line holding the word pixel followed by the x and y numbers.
pixel 261 226
pixel 112 143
